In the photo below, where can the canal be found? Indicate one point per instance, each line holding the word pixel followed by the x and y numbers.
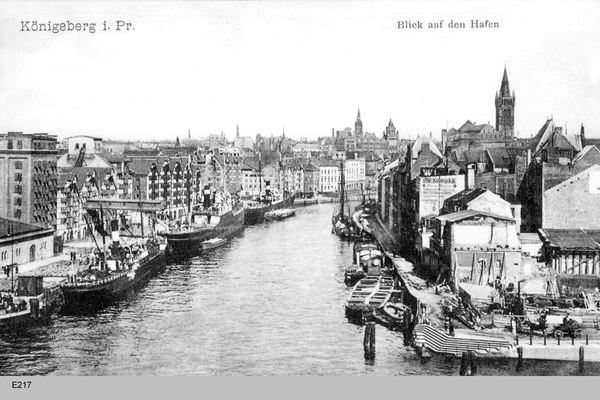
pixel 270 302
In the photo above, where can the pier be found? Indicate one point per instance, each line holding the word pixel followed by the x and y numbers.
pixel 493 342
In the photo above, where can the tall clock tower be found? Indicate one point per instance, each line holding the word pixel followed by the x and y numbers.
pixel 505 109
pixel 358 128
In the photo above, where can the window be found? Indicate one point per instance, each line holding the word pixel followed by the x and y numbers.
pixel 18 252
pixel 10 144
pixel 17 201
pixel 17 214
pixel 18 164
pixel 19 145
pixel 18 176
pixel 18 189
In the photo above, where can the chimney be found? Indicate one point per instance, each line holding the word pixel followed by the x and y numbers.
pixel 582 134
pixel 444 140
pixel 470 178
pixel 528 157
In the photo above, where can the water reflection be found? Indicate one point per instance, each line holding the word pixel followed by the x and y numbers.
pixel 269 302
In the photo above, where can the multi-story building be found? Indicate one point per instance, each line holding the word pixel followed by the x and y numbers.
pixel 556 190
pixel 329 176
pixel 87 171
pixel 476 242
pixel 21 243
pixel 471 134
pixel 29 178
pixel 311 177
pixel 175 184
pixel 411 194
pixel 354 173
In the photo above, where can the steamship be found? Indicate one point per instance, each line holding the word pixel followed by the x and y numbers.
pixel 221 218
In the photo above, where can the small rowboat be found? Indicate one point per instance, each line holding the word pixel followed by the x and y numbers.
pixel 280 214
pixel 212 243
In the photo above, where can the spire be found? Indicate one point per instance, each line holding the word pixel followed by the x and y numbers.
pixel 504 87
pixel 237 131
pixel 358 116
pixel 391 123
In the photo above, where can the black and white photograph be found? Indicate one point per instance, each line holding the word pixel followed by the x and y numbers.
pixel 299 188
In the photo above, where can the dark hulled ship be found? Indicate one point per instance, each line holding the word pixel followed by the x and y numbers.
pixel 256 210
pixel 221 218
pixel 110 274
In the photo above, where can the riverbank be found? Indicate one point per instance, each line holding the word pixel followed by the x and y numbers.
pixel 435 300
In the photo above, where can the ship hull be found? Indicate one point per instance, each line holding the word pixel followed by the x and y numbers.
pixel 187 242
pixel 256 215
pixel 83 296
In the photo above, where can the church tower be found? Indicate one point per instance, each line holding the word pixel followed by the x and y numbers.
pixel 505 109
pixel 358 128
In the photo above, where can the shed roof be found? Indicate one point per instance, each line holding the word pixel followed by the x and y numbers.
pixel 572 238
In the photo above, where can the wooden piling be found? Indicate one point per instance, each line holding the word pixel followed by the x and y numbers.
pixel 530 339
pixel 34 307
pixel 520 358
pixel 464 364
pixel 367 340
pixel 544 340
pixel 372 339
pixel 473 363
pixel 581 359
pixel 573 339
pixel 586 340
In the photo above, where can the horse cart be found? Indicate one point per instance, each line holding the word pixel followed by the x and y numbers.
pixel 571 328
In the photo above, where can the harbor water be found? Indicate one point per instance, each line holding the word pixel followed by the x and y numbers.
pixel 269 302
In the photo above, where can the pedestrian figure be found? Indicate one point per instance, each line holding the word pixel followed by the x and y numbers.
pixel 451 328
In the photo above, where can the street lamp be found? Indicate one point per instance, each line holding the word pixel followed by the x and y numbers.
pixel 10 268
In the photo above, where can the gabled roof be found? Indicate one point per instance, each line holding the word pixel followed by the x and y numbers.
pixel 388 168
pixel 550 136
pixel 574 140
pixel 310 167
pixel 466 196
pixel 583 153
pixel 418 146
pixel 90 160
pixel 9 227
pixel 500 157
pixel 466 214
pixel 469 127
pixel 86 136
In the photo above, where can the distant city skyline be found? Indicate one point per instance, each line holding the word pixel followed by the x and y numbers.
pixel 302 67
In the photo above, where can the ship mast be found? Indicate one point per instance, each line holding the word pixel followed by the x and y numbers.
pixel 342 189
pixel 259 174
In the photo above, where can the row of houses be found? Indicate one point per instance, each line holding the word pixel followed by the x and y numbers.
pixel 460 230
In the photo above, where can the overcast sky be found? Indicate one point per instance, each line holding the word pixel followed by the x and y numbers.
pixel 305 67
